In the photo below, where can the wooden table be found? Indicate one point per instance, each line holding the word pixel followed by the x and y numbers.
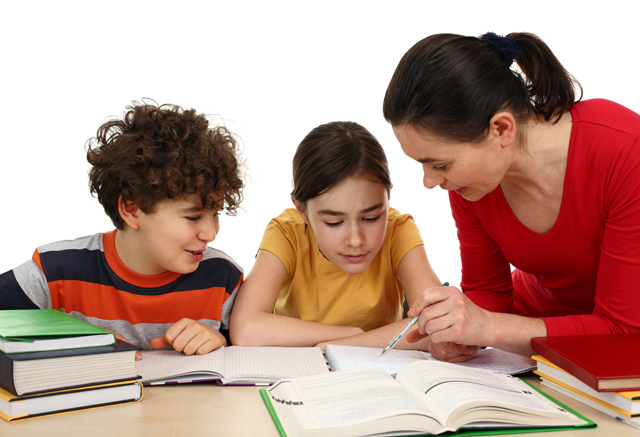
pixel 206 409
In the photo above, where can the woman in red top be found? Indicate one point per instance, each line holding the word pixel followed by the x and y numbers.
pixel 536 180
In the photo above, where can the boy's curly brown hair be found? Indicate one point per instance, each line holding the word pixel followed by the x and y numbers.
pixel 159 152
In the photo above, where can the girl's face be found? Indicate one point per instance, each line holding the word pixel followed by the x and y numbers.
pixel 349 222
pixel 471 170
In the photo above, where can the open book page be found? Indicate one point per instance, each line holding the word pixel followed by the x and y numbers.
pixel 167 364
pixel 351 357
pixel 269 364
pixel 234 364
pixel 461 394
pixel 354 402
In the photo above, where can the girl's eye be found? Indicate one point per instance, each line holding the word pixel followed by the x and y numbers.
pixel 371 219
pixel 440 167
pixel 332 224
pixel 193 219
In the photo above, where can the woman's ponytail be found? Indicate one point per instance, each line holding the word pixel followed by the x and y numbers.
pixel 551 88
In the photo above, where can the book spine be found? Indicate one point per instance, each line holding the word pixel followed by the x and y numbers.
pixel 6 374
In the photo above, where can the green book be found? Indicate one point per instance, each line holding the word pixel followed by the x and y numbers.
pixel 44 330
pixel 426 397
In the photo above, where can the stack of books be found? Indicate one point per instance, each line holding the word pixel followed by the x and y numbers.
pixel 52 363
pixel 602 371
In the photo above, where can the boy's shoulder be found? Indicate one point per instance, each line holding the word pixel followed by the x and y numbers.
pixel 219 259
pixel 90 242
pixel 217 269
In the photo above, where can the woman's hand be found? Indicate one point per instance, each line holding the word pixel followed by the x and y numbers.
pixel 454 324
pixel 452 352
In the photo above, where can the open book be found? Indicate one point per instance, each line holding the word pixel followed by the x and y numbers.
pixel 426 397
pixel 231 365
pixel 351 357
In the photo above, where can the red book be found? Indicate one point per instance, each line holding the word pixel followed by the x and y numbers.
pixel 608 362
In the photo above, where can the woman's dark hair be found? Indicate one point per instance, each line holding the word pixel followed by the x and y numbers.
pixel 331 153
pixel 163 152
pixel 452 85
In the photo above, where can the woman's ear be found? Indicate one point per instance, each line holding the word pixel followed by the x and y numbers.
pixel 300 210
pixel 129 212
pixel 503 127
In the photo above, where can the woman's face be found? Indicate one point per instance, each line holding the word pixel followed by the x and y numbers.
pixel 470 169
pixel 349 222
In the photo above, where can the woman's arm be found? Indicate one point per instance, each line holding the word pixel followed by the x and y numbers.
pixel 456 323
pixel 253 322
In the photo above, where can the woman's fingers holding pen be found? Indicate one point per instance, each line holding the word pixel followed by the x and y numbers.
pixel 427 308
pixel 447 315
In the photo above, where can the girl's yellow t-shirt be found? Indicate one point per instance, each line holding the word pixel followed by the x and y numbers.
pixel 318 291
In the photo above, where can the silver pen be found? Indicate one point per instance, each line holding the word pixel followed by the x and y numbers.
pixel 403 331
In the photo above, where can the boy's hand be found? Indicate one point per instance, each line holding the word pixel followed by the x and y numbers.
pixel 191 337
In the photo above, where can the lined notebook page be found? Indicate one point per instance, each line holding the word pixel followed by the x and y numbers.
pixel 499 361
pixel 269 364
pixel 351 357
pixel 234 364
pixel 166 363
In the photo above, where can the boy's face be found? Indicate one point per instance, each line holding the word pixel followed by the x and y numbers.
pixel 175 236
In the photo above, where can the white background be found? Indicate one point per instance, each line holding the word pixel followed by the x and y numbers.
pixel 272 70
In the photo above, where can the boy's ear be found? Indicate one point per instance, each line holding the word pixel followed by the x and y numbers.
pixel 301 211
pixel 129 212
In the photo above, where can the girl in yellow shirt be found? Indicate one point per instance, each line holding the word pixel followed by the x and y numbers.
pixel 337 267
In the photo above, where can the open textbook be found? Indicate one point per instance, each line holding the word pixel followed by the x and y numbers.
pixel 352 357
pixel 425 397
pixel 231 365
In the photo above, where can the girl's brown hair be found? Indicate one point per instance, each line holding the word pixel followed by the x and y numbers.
pixel 331 153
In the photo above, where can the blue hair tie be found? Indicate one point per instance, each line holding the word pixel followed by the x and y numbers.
pixel 506 47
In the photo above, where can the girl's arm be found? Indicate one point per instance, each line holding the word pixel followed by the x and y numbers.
pixel 253 322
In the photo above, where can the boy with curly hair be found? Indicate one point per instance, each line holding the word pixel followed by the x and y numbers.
pixel 162 175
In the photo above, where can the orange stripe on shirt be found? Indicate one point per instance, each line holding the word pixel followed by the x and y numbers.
pixel 36 259
pixel 108 303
